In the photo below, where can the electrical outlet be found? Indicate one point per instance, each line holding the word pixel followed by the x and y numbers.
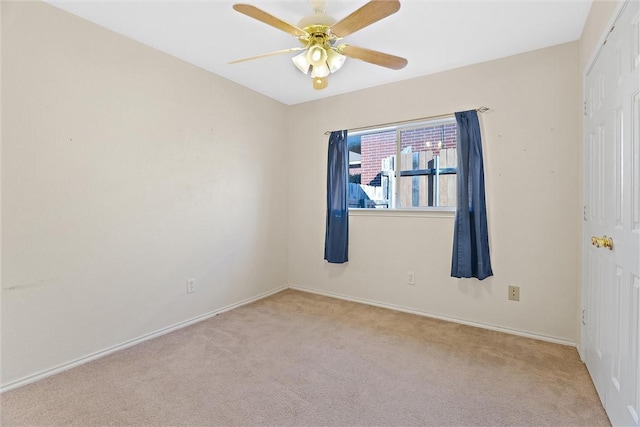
pixel 514 293
pixel 411 278
pixel 191 286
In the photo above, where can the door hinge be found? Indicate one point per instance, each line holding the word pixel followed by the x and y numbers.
pixel 584 108
pixel 583 321
pixel 584 212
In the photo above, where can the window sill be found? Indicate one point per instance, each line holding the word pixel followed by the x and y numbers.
pixel 416 212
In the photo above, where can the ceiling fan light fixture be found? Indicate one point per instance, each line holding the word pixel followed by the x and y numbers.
pixel 321 70
pixel 335 60
pixel 302 62
pixel 317 55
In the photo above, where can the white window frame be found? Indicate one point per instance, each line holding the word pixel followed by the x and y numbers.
pixel 431 211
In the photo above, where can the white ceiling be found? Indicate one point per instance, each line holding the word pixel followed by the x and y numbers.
pixel 433 35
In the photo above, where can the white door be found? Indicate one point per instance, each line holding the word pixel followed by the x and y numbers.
pixel 611 275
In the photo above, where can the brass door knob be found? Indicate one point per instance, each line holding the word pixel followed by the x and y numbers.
pixel 602 242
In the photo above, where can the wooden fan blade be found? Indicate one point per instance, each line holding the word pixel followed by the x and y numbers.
pixel 371 12
pixel 264 55
pixel 262 16
pixel 372 56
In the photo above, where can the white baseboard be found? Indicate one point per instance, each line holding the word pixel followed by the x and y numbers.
pixel 66 366
pixel 437 316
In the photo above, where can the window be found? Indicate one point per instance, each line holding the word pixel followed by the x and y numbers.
pixel 403 167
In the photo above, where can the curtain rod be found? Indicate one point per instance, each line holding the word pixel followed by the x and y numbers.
pixel 482 109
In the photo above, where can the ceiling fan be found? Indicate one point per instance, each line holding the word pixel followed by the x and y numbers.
pixel 318 33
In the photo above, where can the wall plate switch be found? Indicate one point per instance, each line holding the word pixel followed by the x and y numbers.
pixel 191 286
pixel 514 293
pixel 411 278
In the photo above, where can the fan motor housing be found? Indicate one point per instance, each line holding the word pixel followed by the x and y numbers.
pixel 318 34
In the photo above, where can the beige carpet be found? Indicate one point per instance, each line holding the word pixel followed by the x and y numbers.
pixel 302 359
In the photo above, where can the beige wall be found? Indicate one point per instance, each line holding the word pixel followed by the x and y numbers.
pixel 531 145
pixel 124 173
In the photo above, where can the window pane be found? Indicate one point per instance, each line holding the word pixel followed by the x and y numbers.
pixel 428 162
pixel 371 170
pixel 428 159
